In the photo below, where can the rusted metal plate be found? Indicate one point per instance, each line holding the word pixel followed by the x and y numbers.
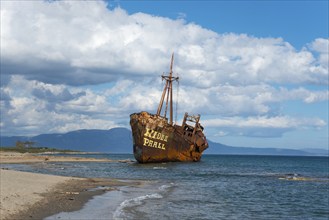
pixel 157 141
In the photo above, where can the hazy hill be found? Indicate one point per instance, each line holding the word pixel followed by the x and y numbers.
pixel 119 140
pixel 116 140
pixel 217 148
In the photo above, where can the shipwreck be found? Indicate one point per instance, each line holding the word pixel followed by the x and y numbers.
pixel 157 139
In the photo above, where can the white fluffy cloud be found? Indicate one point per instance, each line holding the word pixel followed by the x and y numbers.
pixel 59 42
pixel 262 126
pixel 32 107
pixel 52 51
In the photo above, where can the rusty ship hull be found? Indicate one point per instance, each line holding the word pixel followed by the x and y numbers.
pixel 154 140
pixel 157 139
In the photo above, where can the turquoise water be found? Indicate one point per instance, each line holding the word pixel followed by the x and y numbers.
pixel 218 187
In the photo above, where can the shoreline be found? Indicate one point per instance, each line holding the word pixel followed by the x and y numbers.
pixel 14 157
pixel 27 195
pixel 61 194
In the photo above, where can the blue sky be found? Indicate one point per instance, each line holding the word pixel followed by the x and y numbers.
pixel 298 22
pixel 256 71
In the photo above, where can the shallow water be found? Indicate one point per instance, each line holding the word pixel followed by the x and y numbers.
pixel 218 187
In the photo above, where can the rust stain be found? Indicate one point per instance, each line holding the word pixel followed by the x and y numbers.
pixel 155 139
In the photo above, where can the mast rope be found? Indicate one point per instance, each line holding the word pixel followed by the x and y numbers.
pixel 167 97
pixel 177 96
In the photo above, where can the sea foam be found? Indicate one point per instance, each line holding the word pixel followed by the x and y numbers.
pixel 119 212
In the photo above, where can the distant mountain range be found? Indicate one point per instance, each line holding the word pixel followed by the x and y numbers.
pixel 119 140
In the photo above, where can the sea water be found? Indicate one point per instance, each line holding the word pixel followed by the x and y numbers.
pixel 217 187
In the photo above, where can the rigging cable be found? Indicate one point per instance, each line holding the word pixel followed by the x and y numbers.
pixel 177 96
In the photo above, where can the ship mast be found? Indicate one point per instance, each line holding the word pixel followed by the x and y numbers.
pixel 167 92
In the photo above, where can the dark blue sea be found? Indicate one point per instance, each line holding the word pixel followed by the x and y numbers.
pixel 218 187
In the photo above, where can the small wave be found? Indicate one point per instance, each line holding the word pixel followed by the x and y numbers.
pixel 159 168
pixel 119 212
pixel 164 187
pixel 299 177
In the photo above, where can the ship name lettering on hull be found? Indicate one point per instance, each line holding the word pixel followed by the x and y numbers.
pixel 151 134
pixel 155 144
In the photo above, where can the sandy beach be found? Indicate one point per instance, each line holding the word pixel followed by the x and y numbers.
pixel 14 157
pixel 27 195
pixel 20 190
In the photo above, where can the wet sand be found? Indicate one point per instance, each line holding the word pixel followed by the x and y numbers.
pixel 26 195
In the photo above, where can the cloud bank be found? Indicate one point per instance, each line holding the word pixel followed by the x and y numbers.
pixel 59 42
pixel 69 65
